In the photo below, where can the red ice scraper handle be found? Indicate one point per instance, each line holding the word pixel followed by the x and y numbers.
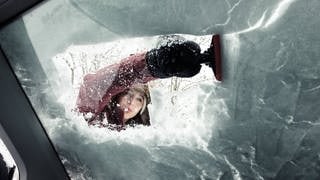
pixel 217 68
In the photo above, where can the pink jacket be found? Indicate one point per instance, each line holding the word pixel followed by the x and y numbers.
pixel 98 88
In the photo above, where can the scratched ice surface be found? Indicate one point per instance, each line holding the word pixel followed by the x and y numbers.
pixel 261 122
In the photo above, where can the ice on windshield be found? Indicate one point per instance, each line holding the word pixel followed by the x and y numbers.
pixel 261 122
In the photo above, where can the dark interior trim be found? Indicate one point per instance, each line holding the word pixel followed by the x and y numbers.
pixel 9 9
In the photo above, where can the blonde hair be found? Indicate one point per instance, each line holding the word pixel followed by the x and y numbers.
pixel 144 90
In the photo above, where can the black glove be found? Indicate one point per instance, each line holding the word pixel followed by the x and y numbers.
pixel 176 59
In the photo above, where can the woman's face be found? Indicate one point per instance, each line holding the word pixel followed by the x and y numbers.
pixel 131 103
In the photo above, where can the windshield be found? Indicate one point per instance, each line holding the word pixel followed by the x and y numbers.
pixel 69 55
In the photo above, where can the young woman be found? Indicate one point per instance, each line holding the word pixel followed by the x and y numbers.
pixel 128 107
pixel 105 93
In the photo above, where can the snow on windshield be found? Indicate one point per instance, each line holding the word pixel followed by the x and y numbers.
pixel 178 110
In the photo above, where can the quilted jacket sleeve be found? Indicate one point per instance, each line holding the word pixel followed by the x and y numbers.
pixel 98 88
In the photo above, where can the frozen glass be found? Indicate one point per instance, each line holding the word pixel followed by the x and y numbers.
pixel 260 122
